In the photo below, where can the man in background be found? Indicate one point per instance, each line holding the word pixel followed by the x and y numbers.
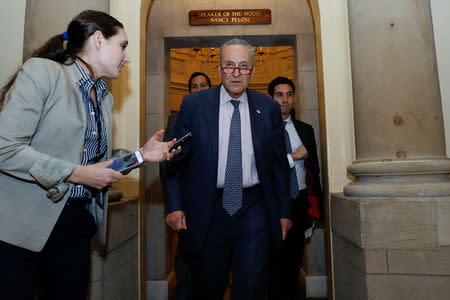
pixel 305 191
pixel 197 82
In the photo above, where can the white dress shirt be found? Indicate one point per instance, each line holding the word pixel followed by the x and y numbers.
pixel 249 173
pixel 298 164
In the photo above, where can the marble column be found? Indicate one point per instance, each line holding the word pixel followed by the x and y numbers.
pixel 391 228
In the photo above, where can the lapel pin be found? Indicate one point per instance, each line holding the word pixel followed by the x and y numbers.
pixel 258 111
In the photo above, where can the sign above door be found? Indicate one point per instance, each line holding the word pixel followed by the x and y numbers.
pixel 230 17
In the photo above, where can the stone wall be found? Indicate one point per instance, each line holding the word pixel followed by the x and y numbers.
pixel 391 248
pixel 46 18
pixel 114 268
pixel 391 228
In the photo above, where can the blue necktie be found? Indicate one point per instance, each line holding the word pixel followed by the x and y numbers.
pixel 232 189
pixel 292 174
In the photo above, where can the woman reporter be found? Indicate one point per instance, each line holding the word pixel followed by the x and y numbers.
pixel 56 133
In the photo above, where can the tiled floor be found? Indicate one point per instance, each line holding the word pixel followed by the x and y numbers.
pixel 302 296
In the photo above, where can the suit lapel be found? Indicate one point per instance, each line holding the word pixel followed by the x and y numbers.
pixel 211 110
pixel 297 126
pixel 303 137
pixel 301 132
pixel 256 124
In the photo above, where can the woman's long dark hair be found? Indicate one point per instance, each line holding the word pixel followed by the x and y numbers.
pixel 78 32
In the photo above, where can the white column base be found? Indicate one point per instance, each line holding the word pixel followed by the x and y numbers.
pixel 157 290
pixel 315 285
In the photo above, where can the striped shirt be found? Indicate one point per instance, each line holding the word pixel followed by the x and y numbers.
pixel 95 141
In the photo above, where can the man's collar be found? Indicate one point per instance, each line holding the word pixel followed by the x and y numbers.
pixel 226 96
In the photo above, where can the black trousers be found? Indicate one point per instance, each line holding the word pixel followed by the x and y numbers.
pixel 60 270
pixel 183 273
pixel 285 264
pixel 240 243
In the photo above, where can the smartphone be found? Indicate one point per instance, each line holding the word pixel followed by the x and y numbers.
pixel 181 141
pixel 127 162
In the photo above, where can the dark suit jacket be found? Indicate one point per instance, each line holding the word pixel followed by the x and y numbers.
pixel 306 134
pixel 192 188
pixel 169 134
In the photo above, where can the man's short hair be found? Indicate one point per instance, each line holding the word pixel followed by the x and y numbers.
pixel 238 42
pixel 196 74
pixel 277 81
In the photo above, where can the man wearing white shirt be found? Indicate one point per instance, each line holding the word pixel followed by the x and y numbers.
pixel 304 188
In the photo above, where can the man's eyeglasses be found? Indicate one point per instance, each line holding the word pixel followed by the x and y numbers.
pixel 242 70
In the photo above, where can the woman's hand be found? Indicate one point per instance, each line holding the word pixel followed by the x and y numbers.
pixel 156 151
pixel 97 175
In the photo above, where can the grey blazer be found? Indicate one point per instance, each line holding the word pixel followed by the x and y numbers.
pixel 42 131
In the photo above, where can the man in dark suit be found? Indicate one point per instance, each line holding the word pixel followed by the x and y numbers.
pixel 304 189
pixel 229 197
pixel 197 81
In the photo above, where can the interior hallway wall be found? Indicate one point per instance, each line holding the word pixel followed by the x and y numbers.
pixel 46 18
pixel 12 20
pixel 441 26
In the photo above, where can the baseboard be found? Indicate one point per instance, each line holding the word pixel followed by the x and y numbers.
pixel 157 290
pixel 315 285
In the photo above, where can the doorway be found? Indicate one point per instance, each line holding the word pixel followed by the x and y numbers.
pixel 329 76
pixel 322 25
pixel 274 56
